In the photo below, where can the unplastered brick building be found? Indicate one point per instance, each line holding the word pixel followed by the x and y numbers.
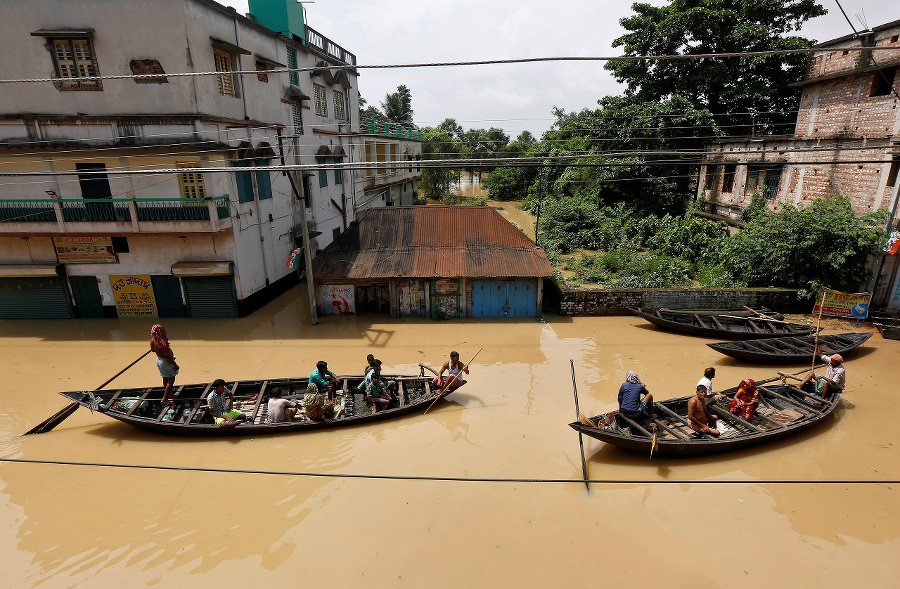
pixel 846 141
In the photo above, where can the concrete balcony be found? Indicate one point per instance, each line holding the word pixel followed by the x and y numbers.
pixel 115 216
pixel 390 130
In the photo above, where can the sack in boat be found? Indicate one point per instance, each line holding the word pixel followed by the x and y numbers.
pixel 608 422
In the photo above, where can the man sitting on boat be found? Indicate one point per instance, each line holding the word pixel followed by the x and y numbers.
pixel 377 394
pixel 453 367
pixel 835 374
pixel 708 375
pixel 221 409
pixel 631 405
pixel 746 400
pixel 280 410
pixel 324 379
pixel 699 416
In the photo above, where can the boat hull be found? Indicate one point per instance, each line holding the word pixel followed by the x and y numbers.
pixel 723 325
pixel 791 350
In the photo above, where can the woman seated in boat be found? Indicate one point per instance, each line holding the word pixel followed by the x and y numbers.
pixel 701 419
pixel 377 394
pixel 746 400
pixel 317 408
pixel 631 405
pixel 165 360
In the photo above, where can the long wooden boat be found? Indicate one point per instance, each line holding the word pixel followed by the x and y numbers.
pixel 745 312
pixel 189 414
pixel 727 324
pixel 790 350
pixel 784 410
pixel 889 331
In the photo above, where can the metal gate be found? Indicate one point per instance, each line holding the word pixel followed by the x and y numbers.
pixel 44 297
pixel 445 295
pixel 504 298
pixel 411 298
pixel 86 292
pixel 210 297
pixel 373 298
pixel 167 291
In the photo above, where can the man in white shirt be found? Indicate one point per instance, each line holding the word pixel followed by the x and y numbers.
pixel 835 375
pixel 708 375
pixel 280 410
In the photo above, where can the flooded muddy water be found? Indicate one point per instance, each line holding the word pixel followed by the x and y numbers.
pixel 96 526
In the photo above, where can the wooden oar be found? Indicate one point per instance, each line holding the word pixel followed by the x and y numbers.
pixel 580 436
pixel 56 419
pixel 452 380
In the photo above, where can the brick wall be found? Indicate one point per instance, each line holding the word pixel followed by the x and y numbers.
pixel 594 302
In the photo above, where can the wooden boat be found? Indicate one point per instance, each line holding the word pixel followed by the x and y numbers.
pixel 784 410
pixel 889 331
pixel 726 324
pixel 189 414
pixel 745 312
pixel 790 350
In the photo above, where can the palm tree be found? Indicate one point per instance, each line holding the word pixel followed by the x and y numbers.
pixel 397 106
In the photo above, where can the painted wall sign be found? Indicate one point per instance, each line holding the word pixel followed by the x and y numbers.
pixel 84 250
pixel 337 299
pixel 446 286
pixel 134 296
pixel 842 304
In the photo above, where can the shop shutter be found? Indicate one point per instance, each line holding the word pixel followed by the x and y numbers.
pixel 86 292
pixel 210 297
pixel 34 298
pixel 167 291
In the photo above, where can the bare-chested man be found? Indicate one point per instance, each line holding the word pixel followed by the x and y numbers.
pixel 699 416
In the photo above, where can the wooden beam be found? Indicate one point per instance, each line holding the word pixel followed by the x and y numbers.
pixel 138 403
pixel 633 423
pixel 683 421
pixel 792 402
pixel 259 398
pixel 674 432
pixel 199 404
pixel 400 392
pixel 731 417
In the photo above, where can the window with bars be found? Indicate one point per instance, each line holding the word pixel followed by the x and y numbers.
pixel 74 60
pixel 293 77
pixel 225 63
pixel 339 112
pixel 191 183
pixel 297 114
pixel 321 104
pixel 370 157
pixel 262 72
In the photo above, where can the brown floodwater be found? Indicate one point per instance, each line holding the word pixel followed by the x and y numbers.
pixel 65 525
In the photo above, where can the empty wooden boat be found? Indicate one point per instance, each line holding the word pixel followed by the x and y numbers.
pixel 784 410
pixel 725 324
pixel 189 414
pixel 790 350
pixel 889 331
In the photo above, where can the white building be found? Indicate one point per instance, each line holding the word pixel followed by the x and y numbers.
pixel 88 236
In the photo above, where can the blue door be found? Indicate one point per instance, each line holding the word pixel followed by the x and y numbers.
pixel 504 298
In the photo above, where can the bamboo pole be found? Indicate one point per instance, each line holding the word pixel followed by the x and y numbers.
pixel 580 436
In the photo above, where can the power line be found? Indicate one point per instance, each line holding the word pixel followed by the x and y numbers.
pixel 617 58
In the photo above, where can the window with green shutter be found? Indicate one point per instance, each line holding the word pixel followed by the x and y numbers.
pixel 244 181
pixel 323 173
pixel 338 172
pixel 294 77
pixel 263 181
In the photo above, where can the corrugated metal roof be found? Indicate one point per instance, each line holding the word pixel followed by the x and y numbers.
pixel 431 242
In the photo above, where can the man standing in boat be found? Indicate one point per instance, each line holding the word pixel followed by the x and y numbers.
pixel 165 360
pixel 835 374
pixel 222 410
pixel 700 417
pixel 630 403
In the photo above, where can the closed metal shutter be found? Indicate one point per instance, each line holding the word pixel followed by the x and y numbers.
pixel 167 291
pixel 42 297
pixel 88 302
pixel 210 297
pixel 504 298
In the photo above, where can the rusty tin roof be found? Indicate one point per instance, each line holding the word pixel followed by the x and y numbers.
pixel 433 241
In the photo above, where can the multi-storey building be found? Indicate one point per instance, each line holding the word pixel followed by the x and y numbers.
pixel 846 141
pixel 96 230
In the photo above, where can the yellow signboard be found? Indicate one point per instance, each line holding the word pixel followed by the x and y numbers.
pixel 842 304
pixel 134 296
pixel 84 250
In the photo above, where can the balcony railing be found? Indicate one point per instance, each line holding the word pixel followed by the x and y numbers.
pixel 109 210
pixel 326 46
pixel 391 130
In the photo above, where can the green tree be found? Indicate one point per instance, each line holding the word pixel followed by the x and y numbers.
pixel 367 113
pixel 440 144
pixel 725 85
pixel 397 106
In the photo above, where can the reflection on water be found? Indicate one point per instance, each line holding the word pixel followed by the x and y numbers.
pixel 66 525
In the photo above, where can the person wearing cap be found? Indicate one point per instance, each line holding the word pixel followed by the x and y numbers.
pixel 700 418
pixel 453 367
pixel 324 379
pixel 221 408
pixel 835 374
pixel 631 405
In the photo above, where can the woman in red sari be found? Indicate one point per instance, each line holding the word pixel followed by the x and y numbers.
pixel 746 400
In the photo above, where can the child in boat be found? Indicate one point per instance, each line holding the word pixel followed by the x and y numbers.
pixel 165 360
pixel 377 394
pixel 700 417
